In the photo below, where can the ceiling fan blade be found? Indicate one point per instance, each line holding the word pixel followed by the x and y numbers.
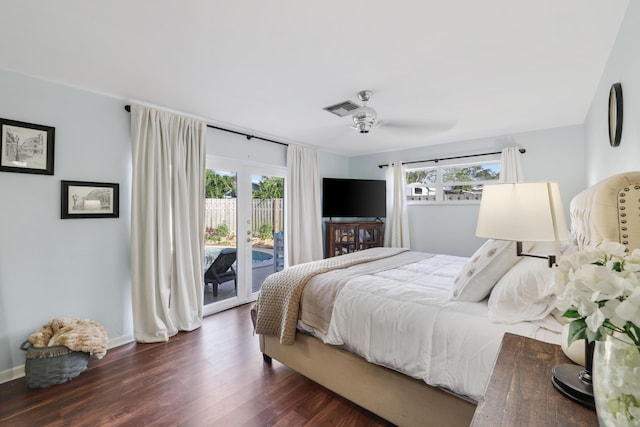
pixel 417 125
pixel 365 120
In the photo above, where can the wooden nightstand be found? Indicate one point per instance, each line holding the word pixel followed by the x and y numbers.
pixel 520 392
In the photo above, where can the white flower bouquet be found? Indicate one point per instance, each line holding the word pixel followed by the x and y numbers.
pixel 599 290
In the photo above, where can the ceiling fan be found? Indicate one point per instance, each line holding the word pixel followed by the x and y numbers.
pixel 364 117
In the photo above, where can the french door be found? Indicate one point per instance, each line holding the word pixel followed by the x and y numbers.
pixel 244 213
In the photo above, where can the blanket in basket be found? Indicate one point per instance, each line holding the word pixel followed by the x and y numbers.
pixel 75 334
pixel 278 303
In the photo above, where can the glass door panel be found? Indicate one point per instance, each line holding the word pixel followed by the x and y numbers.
pixel 244 214
pixel 267 228
pixel 220 236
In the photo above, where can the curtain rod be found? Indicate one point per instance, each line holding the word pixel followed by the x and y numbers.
pixel 249 137
pixel 522 150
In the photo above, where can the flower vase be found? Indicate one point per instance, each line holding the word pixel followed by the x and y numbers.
pixel 616 382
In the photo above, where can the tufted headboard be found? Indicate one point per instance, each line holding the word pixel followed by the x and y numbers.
pixel 608 211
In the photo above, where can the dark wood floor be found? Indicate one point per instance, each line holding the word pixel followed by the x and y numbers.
pixel 213 376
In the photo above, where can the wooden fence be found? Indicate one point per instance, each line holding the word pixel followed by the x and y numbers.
pixel 263 211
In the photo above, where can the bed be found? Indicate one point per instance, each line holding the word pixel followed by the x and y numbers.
pixel 412 336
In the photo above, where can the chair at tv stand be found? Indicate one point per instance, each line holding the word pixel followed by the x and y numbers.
pixel 346 237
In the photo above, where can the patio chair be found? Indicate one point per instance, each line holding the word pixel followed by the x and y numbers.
pixel 221 270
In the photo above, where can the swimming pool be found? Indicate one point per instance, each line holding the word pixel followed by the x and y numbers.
pixel 211 252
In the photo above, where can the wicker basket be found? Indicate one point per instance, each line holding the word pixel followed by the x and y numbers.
pixel 46 366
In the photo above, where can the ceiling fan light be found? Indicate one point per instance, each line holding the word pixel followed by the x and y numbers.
pixel 363 127
pixel 367 112
pixel 364 119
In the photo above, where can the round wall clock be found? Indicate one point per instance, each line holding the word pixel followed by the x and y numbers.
pixel 615 114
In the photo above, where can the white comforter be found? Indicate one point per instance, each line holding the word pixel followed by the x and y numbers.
pixel 407 322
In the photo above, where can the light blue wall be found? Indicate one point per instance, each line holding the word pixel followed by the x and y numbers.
pixel 623 66
pixel 232 146
pixel 51 267
pixel 333 166
pixel 552 155
pixel 228 145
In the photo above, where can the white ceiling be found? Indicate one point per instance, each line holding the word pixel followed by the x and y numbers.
pixel 445 70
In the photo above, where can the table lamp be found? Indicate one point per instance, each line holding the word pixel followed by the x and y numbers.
pixel 522 211
pixel 533 212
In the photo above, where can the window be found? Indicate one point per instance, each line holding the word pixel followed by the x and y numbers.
pixel 450 183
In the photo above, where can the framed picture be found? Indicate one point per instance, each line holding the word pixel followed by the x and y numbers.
pixel 26 148
pixel 82 199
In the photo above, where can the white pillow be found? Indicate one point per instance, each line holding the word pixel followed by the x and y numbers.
pixel 525 292
pixel 483 270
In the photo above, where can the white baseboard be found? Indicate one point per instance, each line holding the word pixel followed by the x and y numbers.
pixel 117 342
pixel 12 374
pixel 18 371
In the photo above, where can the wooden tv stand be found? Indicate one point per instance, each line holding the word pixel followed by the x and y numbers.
pixel 346 237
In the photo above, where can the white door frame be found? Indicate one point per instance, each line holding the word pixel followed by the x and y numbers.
pixel 244 171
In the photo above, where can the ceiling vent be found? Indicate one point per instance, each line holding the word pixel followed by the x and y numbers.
pixel 342 109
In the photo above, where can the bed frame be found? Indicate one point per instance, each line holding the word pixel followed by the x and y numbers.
pixel 397 398
pixel 606 211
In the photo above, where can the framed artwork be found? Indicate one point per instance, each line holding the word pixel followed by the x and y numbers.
pixel 26 148
pixel 82 199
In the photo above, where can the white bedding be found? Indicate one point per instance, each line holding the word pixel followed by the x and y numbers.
pixel 408 323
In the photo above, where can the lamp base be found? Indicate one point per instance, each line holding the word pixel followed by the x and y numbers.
pixel 568 380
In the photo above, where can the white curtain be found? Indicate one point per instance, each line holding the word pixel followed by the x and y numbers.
pixel 511 165
pixel 304 210
pixel 396 232
pixel 167 223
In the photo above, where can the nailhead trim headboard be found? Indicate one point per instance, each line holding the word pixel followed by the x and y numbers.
pixel 629 216
pixel 608 211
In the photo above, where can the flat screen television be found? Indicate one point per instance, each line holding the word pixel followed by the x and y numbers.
pixel 360 198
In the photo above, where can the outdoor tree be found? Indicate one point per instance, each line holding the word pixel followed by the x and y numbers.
pixel 469 173
pixel 424 176
pixel 453 175
pixel 269 188
pixel 217 185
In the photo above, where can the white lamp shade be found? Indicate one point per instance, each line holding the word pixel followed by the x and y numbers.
pixel 522 211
